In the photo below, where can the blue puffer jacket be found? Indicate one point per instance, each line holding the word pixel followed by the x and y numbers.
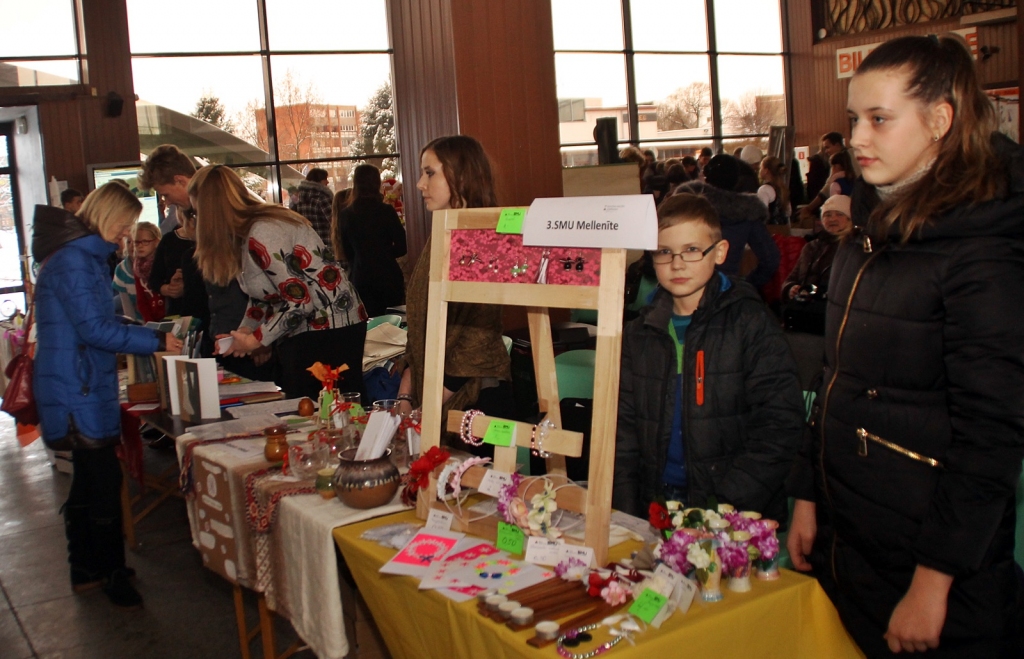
pixel 78 336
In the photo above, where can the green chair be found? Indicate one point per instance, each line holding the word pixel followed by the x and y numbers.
pixel 394 319
pixel 575 372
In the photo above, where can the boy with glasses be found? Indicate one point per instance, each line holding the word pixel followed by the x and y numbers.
pixel 709 399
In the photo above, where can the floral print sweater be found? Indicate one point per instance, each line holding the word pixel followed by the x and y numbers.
pixel 293 283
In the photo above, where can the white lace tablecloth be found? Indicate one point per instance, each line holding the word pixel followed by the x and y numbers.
pixel 303 555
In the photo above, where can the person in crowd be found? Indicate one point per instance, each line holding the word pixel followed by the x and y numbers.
pixel 815 265
pixel 842 177
pixel 905 493
pixel 455 173
pixel 703 159
pixel 692 168
pixel 75 376
pixel 746 177
pixel 338 204
pixel 370 235
pixel 819 171
pixel 675 175
pixel 300 301
pixel 132 274
pixel 742 217
pixel 312 200
pixel 709 398
pixel 167 171
pixel 774 190
pixel 71 200
pixel 175 276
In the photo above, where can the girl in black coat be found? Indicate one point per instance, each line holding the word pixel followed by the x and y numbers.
pixel 905 498
pixel 369 235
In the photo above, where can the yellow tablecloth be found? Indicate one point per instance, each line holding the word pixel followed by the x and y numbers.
pixel 789 618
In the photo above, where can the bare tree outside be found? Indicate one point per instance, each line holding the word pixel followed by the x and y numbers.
pixel 687 107
pixel 754 113
pixel 295 103
pixel 246 125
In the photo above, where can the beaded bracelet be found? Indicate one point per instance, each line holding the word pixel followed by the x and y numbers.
pixel 574 637
pixel 466 429
pixel 540 433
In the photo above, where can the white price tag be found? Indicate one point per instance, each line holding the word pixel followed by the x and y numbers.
pixel 669 575
pixel 585 554
pixel 683 594
pixel 439 520
pixel 542 551
pixel 493 481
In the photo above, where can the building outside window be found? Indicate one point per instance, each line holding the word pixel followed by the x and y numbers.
pixel 675 76
pixel 264 90
pixel 39 44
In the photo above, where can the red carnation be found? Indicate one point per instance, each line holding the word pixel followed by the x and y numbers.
pixel 294 290
pixel 329 277
pixel 659 517
pixel 259 254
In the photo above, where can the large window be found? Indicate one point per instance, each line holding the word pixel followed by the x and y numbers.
pixel 273 93
pixel 676 76
pixel 39 44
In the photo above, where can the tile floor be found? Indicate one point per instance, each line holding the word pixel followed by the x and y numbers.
pixel 188 610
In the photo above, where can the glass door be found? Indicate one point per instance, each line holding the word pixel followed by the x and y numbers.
pixel 12 243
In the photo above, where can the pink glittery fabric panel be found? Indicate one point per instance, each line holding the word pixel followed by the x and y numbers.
pixel 497 254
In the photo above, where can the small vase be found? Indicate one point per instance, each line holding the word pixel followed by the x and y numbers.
pixel 365 483
pixel 739 580
pixel 768 570
pixel 277 445
pixel 711 579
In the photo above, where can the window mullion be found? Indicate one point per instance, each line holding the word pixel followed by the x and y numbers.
pixel 631 105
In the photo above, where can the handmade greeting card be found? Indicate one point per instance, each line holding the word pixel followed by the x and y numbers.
pixel 423 549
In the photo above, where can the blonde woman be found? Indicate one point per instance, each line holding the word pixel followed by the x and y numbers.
pixel 75 378
pixel 300 300
pixel 774 190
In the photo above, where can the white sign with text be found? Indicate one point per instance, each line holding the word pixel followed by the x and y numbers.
pixel 619 221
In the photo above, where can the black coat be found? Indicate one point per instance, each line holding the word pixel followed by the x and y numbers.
pixel 925 350
pixel 372 237
pixel 740 443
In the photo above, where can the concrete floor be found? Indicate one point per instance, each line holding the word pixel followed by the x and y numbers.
pixel 188 613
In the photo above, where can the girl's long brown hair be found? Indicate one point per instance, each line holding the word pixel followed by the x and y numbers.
pixel 966 169
pixel 777 179
pixel 225 212
pixel 466 169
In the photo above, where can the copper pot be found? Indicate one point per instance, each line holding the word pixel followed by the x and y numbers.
pixel 277 443
pixel 365 483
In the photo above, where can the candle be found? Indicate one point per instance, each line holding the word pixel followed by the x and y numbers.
pixel 494 601
pixel 506 608
pixel 546 630
pixel 522 616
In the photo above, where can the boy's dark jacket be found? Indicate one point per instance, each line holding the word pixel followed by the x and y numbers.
pixel 741 441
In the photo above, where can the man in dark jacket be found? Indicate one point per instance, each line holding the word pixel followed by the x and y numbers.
pixel 313 202
pixel 743 218
pixel 709 400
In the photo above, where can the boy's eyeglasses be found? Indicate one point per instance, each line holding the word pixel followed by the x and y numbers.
pixel 690 254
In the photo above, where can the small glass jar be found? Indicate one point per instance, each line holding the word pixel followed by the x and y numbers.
pixel 277 444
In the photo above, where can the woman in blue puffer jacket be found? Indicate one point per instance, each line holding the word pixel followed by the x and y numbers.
pixel 75 379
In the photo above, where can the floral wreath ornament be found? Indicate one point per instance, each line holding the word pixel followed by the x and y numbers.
pixel 537 518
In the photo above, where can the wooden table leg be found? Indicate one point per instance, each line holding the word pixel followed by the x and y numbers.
pixel 243 631
pixel 266 627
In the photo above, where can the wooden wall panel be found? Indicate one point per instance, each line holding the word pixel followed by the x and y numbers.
pixel 484 69
pixel 63 149
pixel 108 139
pixel 506 92
pixel 424 93
pixel 819 103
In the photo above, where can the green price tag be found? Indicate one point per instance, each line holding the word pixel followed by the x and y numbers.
pixel 511 538
pixel 500 433
pixel 647 606
pixel 511 220
pixel 325 405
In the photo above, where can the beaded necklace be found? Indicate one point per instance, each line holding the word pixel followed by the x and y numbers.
pixel 574 637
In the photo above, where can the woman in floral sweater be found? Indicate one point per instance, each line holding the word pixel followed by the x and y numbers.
pixel 300 300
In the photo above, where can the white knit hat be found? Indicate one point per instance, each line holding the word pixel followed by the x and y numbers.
pixel 837 202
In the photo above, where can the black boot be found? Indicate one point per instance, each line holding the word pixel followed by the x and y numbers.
pixel 85 573
pixel 120 590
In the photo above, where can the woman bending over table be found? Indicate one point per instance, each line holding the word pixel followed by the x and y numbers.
pixel 455 173
pixel 300 300
pixel 905 500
